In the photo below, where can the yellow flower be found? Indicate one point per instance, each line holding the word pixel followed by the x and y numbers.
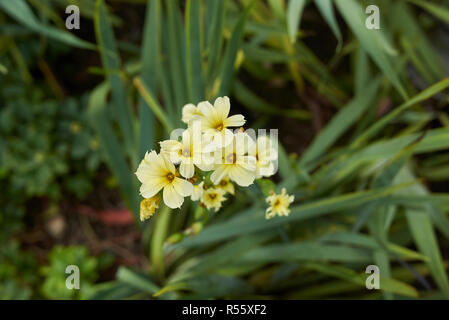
pixel 212 198
pixel 279 204
pixel 198 191
pixel 190 112
pixel 148 207
pixel 215 121
pixel 188 152
pixel 156 172
pixel 265 156
pixel 234 162
pixel 226 185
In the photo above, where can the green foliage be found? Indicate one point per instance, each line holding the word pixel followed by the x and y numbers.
pixel 17 272
pixel 40 137
pixel 54 285
pixel 370 188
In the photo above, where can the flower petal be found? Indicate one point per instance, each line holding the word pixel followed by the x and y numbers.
pixel 209 114
pixel 222 106
pixel 169 166
pixel 187 169
pixel 152 186
pixel 183 187
pixel 171 198
pixel 225 138
pixel 219 173
pixel 247 162
pixel 242 176
pixel 171 149
pixel 188 111
pixel 236 120
pixel 266 170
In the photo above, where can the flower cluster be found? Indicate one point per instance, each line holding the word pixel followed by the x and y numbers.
pixel 205 161
pixel 279 204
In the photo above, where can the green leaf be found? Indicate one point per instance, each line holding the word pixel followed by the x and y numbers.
pixel 20 11
pixel 233 45
pixel 253 220
pixel 158 239
pixel 113 152
pixel 386 284
pixel 176 49
pixel 266 186
pixel 193 50
pixel 215 37
pixel 254 103
pixel 111 62
pixel 438 11
pixel 153 104
pixel 327 11
pixel 149 74
pixel 423 95
pixel 424 236
pixel 372 41
pixel 345 118
pixel 137 280
pixel 306 252
pixel 3 69
pixel 294 13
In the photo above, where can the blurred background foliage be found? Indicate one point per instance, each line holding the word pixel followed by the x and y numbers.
pixel 363 129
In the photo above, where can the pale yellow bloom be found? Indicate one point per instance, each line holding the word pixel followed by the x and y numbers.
pixel 189 152
pixel 279 204
pixel 190 112
pixel 234 162
pixel 198 191
pixel 156 172
pixel 212 198
pixel 265 156
pixel 226 185
pixel 148 207
pixel 215 122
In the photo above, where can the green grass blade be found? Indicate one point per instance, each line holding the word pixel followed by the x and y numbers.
pixel 294 13
pixel 20 11
pixel 306 252
pixel 175 55
pixel 345 118
pixel 254 220
pixel 113 152
pixel 136 279
pixel 438 11
pixel 386 284
pixel 153 104
pixel 231 52
pixel 372 40
pixel 193 50
pixel 149 74
pixel 423 95
pixel 254 103
pixel 215 38
pixel 111 62
pixel 327 11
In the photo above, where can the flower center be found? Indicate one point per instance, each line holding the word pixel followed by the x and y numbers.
pixel 170 177
pixel 212 196
pixel 230 158
pixel 186 153
pixel 219 126
pixel 276 203
pixel 223 183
